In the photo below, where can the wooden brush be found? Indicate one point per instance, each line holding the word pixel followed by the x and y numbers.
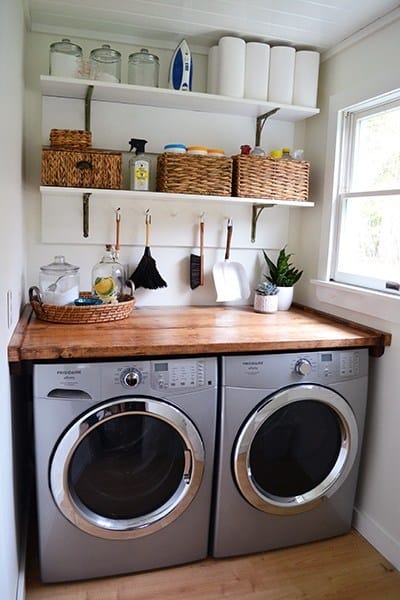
pixel 197 262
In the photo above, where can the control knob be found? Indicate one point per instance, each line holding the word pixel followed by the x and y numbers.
pixel 131 377
pixel 303 367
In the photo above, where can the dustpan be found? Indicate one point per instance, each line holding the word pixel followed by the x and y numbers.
pixel 146 274
pixel 230 277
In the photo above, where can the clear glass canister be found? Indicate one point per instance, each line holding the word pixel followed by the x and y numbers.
pixel 65 58
pixel 107 63
pixel 143 68
pixel 59 282
pixel 108 277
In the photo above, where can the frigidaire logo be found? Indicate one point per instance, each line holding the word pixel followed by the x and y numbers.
pixel 253 363
pixel 69 372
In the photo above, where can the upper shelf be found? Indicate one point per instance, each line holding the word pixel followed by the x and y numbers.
pixel 128 194
pixel 166 98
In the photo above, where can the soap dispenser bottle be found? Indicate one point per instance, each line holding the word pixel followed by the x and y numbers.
pixel 139 166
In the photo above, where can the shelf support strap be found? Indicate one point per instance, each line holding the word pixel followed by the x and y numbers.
pixel 88 107
pixel 256 212
pixel 261 122
pixel 85 207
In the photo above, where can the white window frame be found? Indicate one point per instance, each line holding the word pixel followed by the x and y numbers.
pixel 381 305
pixel 348 120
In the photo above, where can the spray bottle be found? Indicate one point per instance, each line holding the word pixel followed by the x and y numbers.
pixel 139 166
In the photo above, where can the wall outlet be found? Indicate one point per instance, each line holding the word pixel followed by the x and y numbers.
pixel 9 308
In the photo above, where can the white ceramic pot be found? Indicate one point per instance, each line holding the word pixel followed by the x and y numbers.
pixel 285 298
pixel 265 304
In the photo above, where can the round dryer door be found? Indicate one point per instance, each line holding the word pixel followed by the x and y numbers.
pixel 296 448
pixel 127 468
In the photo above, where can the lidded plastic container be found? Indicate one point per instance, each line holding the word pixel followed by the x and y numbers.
pixel 107 63
pixel 108 277
pixel 65 58
pixel 199 150
pixel 59 282
pixel 143 68
pixel 175 148
pixel 215 152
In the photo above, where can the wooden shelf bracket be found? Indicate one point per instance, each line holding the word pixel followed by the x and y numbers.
pixel 256 212
pixel 85 210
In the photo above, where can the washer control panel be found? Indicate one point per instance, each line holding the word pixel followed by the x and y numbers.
pixel 178 374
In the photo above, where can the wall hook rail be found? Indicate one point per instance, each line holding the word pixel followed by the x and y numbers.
pixel 256 212
pixel 85 207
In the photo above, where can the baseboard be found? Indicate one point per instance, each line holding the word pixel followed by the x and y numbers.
pixel 388 546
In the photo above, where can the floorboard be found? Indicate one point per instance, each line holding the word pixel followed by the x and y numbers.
pixel 345 568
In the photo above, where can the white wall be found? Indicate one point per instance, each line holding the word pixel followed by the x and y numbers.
pixel 12 267
pixel 174 229
pixel 371 63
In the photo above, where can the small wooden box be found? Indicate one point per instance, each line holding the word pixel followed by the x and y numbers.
pixel 191 174
pixel 87 169
pixel 272 178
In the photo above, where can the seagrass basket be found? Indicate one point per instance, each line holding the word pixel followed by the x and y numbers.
pixel 70 139
pixel 84 169
pixel 272 178
pixel 100 313
pixel 191 174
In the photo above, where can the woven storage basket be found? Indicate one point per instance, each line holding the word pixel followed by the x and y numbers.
pixel 91 169
pixel 100 313
pixel 191 174
pixel 264 177
pixel 70 139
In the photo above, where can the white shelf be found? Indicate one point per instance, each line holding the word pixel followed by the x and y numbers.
pixel 166 98
pixel 160 196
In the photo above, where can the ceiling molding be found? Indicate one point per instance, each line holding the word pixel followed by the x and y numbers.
pixel 361 34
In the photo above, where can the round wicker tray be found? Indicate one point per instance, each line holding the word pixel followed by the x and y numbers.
pixel 100 313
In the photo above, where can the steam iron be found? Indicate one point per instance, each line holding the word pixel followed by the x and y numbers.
pixel 181 70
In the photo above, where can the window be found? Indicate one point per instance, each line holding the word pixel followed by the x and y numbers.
pixel 367 249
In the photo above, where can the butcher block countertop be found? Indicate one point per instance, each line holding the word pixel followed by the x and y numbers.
pixel 183 330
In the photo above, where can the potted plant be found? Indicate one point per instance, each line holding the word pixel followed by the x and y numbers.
pixel 284 275
pixel 266 297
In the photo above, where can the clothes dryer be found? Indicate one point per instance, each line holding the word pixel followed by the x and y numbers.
pixel 290 442
pixel 124 464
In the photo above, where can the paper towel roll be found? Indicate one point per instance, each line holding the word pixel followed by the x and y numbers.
pixel 281 74
pixel 306 78
pixel 212 73
pixel 231 66
pixel 256 71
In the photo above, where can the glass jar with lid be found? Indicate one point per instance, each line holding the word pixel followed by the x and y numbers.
pixel 143 68
pixel 107 63
pixel 65 58
pixel 59 282
pixel 108 277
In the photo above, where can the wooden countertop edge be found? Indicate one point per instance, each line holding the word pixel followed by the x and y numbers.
pixel 374 339
pixel 384 337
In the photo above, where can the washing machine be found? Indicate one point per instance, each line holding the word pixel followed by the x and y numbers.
pixel 290 442
pixel 124 463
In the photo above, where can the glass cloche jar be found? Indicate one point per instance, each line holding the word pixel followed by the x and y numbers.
pixel 59 282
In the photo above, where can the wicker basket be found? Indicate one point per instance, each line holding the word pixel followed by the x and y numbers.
pixel 191 174
pixel 100 313
pixel 264 177
pixel 70 139
pixel 91 169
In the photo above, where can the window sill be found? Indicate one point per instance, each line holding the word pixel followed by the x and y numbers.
pixel 367 302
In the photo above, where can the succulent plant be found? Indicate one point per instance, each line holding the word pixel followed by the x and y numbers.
pixel 283 273
pixel 266 288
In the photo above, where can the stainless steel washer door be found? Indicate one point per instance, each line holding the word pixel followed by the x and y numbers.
pixel 127 468
pixel 295 449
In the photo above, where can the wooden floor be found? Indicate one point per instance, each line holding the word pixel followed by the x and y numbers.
pixel 345 568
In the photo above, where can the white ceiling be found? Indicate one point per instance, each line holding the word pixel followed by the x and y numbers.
pixel 316 24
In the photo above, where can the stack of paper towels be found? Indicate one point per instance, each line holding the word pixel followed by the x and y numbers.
pixel 255 70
